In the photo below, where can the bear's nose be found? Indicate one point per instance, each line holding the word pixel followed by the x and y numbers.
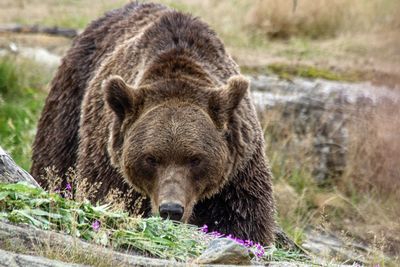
pixel 174 211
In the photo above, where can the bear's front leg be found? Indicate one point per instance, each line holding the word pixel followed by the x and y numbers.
pixel 244 208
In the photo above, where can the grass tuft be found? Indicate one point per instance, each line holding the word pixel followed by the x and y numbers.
pixel 10 83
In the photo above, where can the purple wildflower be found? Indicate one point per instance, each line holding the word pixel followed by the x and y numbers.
pixel 259 250
pixel 248 243
pixel 68 187
pixel 96 225
pixel 204 229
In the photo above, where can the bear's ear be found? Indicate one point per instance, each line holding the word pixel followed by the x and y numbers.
pixel 120 97
pixel 223 102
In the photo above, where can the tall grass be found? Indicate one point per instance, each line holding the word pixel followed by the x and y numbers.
pixel 291 164
pixel 239 23
pixel 307 18
pixel 322 18
pixel 374 158
pixel 362 201
pixel 61 13
pixel 372 177
pixel 251 22
pixel 21 100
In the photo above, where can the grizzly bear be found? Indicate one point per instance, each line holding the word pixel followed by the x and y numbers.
pixel 148 99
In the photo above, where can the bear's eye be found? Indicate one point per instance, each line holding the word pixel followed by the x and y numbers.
pixel 151 160
pixel 194 161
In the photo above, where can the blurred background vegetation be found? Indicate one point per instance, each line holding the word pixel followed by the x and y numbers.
pixel 341 40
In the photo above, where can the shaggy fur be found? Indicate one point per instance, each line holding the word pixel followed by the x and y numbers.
pixel 147 98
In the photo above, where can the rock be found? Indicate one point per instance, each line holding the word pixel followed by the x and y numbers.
pixel 329 245
pixel 282 240
pixel 318 109
pixel 42 56
pixel 10 259
pixel 37 29
pixel 224 251
pixel 292 264
pixel 10 172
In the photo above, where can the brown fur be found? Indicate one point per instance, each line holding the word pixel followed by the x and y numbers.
pixel 154 100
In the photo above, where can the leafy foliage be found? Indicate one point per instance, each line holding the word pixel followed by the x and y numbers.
pixel 23 203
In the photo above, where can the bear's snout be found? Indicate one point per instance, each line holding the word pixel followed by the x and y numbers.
pixel 173 211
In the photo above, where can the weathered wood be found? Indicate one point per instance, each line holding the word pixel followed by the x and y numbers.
pixel 36 29
pixel 10 259
pixel 31 239
pixel 10 172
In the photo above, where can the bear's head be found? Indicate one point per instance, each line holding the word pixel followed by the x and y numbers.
pixel 170 139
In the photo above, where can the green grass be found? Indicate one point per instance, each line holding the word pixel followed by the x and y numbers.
pixel 290 71
pixel 23 203
pixel 21 100
pixel 75 14
pixel 295 218
pixel 286 71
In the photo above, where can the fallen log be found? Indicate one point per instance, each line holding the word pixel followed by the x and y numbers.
pixel 36 29
pixel 35 241
pixel 11 259
pixel 10 172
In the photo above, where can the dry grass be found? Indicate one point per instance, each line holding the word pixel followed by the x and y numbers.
pixel 365 34
pixel 63 13
pixel 74 254
pixel 291 159
pixel 246 19
pixel 321 18
pixel 374 154
pixel 372 178
pixel 309 18
pixel 362 202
